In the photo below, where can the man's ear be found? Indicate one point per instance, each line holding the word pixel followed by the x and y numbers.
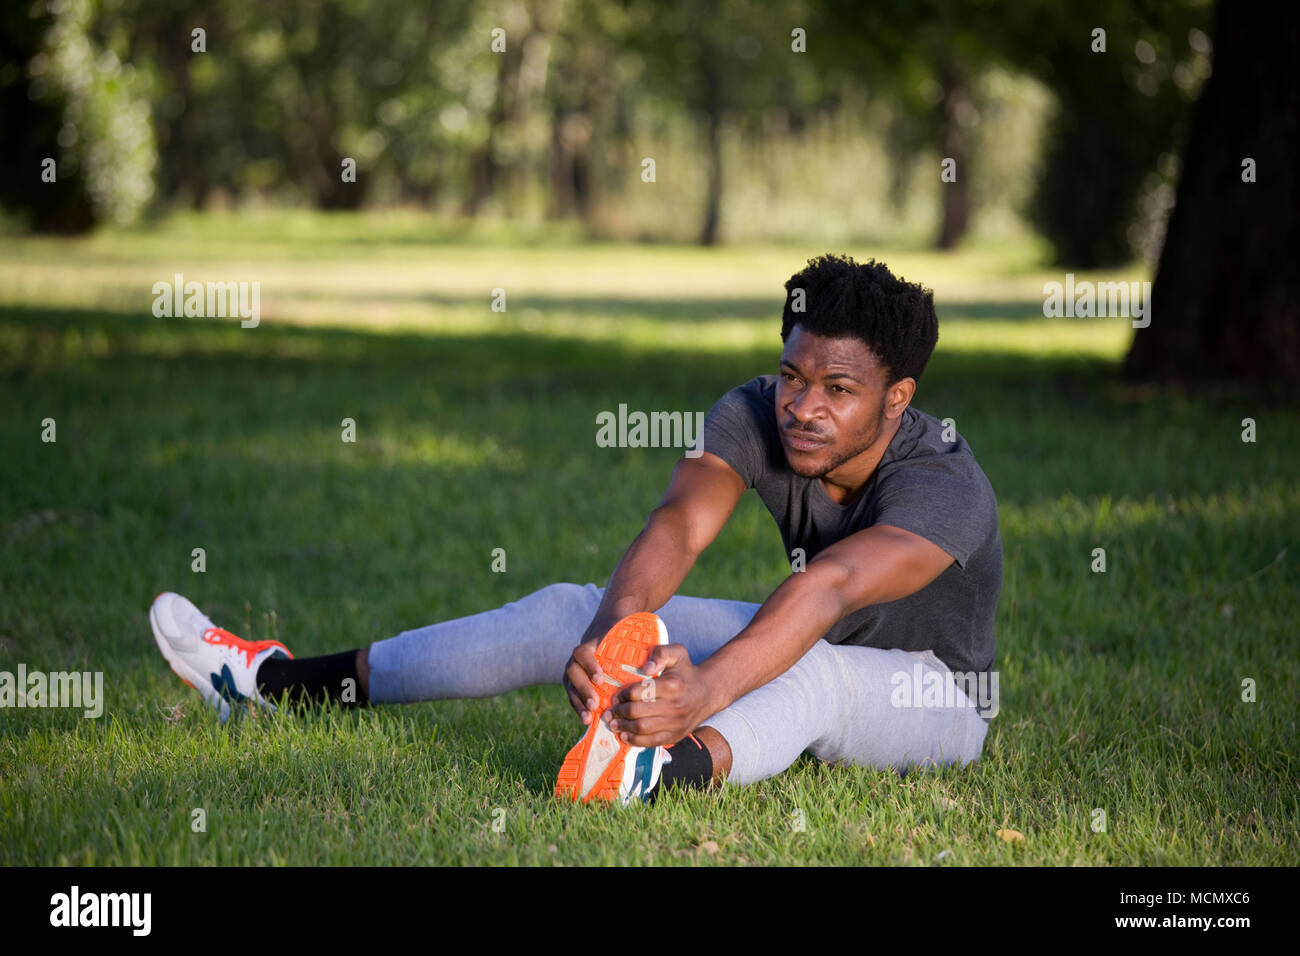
pixel 898 396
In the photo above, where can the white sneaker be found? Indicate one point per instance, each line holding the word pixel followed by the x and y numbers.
pixel 216 663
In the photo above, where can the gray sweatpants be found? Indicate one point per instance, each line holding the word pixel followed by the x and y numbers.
pixel 835 702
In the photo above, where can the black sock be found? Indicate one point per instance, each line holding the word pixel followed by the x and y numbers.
pixel 692 766
pixel 330 678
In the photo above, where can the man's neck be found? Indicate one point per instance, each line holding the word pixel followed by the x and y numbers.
pixel 845 483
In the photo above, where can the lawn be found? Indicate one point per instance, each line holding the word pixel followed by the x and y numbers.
pixel 1120 691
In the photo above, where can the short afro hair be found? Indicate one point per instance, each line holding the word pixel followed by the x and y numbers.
pixel 865 301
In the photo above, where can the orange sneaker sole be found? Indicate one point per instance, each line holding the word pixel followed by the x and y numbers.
pixel 625 648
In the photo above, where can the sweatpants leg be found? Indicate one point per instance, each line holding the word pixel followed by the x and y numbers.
pixel 526 642
pixel 834 702
pixel 837 702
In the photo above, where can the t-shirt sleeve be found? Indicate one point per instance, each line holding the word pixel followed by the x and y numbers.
pixel 733 432
pixel 945 499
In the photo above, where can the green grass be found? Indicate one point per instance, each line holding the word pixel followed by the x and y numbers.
pixel 1119 691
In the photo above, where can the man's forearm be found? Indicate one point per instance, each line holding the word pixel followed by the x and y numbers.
pixel 651 570
pixel 802 609
pixel 873 566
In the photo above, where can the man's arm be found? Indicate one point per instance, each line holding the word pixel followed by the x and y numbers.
pixel 878 564
pixel 701 496
pixel 872 566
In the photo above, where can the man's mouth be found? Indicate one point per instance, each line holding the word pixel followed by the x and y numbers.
pixel 802 441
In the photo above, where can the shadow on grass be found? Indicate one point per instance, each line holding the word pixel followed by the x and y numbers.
pixel 1021 414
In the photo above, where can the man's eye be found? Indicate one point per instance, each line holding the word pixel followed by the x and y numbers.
pixel 841 388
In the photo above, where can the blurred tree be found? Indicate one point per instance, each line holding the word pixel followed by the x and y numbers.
pixel 518 96
pixel 1118 112
pixel 1117 115
pixel 158 40
pixel 286 89
pixel 32 114
pixel 954 109
pixel 66 95
pixel 923 58
pixel 1226 298
pixel 583 98
pixel 719 61
pixel 325 81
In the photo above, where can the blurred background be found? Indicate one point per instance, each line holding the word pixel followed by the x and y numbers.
pixel 767 121
pixel 1063 133
pixel 912 126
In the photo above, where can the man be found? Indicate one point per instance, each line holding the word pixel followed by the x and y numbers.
pixel 891 530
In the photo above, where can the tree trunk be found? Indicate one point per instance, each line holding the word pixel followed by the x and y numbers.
pixel 714 99
pixel 184 156
pixel 484 168
pixel 570 139
pixel 956 194
pixel 1226 299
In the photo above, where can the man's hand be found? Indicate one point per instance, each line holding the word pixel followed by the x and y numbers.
pixel 580 676
pixel 662 710
pixel 700 497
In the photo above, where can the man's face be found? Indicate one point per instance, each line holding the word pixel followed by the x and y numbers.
pixel 830 401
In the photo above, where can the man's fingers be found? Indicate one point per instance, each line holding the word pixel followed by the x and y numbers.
pixel 581 685
pixel 663 657
pixel 579 707
pixel 635 710
pixel 582 695
pixel 589 667
pixel 585 655
pixel 649 689
pixel 582 705
pixel 638 728
pixel 659 738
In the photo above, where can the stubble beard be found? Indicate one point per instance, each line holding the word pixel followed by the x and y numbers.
pixel 841 458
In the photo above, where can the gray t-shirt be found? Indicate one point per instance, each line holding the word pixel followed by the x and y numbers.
pixel 923 484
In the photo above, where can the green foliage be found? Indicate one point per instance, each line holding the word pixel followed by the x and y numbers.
pixel 1117 118
pixel 66 97
pixel 748 133
pixel 107 112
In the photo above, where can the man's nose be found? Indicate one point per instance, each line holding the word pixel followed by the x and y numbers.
pixel 804 406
